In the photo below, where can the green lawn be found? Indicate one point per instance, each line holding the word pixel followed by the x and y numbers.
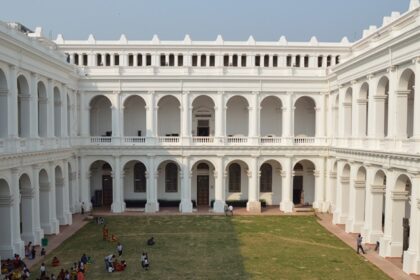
pixel 218 247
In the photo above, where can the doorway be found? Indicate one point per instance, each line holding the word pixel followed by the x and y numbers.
pixel 203 128
pixel 202 190
pixel 106 190
pixel 297 190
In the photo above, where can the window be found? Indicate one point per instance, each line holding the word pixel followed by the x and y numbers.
pixel 139 60
pixel 130 60
pixel 85 59
pixel 320 58
pixel 266 60
pixel 226 60
pixel 275 61
pixel 337 59
pixel 171 60
pixel 306 61
pixel 99 60
pixel 139 177
pixel 202 166
pixel 212 60
pixel 243 60
pixel 329 61
pixel 257 60
pixel 235 60
pixel 289 61
pixel 234 177
pixel 171 177
pixel 297 62
pixel 266 179
pixel 180 60
pixel 148 59
pixel 194 60
pixel 107 60
pixel 203 60
pixel 76 59
pixel 116 59
pixel 162 60
pixel 67 58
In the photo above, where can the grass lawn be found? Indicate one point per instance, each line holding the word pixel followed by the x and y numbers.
pixel 217 247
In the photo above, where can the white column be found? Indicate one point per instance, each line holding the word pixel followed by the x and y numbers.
pixel 219 177
pixel 84 120
pixel 38 232
pixel 392 102
pixel 85 181
pixel 152 204
pixel 118 205
pixel 18 244
pixel 185 118
pixel 12 103
pixel 320 116
pixel 50 108
pixel 253 205
pixel 64 108
pixel 33 106
pixel 186 205
pixel 151 113
pixel 340 212
pixel 341 112
pixel 319 175
pixel 54 223
pixel 361 117
pixel 286 204
pixel 416 125
pixel 330 186
pixel 254 116
pixel 116 117
pixel 220 113
pixel 371 106
pixel 288 116
pixel 412 255
pixel 68 219
pixel 378 119
pixel 7 230
pixel 401 112
pixel 356 216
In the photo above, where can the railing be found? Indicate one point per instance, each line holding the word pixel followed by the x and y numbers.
pixel 237 140
pixel 100 139
pixel 135 140
pixel 168 139
pixel 202 140
pixel 304 140
pixel 270 140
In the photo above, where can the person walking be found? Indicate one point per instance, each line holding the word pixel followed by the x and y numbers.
pixel 359 244
pixel 119 249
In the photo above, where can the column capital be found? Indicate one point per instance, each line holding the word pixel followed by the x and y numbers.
pixel 416 60
pixel 370 76
pixel 344 179
pixel 380 189
pixel 392 68
pixel 27 193
pixel 399 195
pixel 44 186
pixel 359 184
pixel 362 101
pixel 402 93
pixel 6 200
pixel 418 203
pixel 333 175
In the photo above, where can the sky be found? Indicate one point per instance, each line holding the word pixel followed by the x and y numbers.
pixel 265 20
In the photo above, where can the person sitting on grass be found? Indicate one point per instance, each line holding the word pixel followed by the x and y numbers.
pixel 80 276
pixel 61 274
pixel 228 210
pixel 114 238
pixel 120 266
pixel 43 252
pixel 55 262
pixel 151 241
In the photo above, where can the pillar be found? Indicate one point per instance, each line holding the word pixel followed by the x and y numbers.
pixel 118 205
pixel 84 120
pixel 12 103
pixel 17 243
pixel 220 113
pixel 186 205
pixel 319 175
pixel 331 177
pixel 253 205
pixel 416 125
pixel 85 182
pixel 50 108
pixel 38 232
pixel 7 230
pixel 356 216
pixel 219 177
pixel 151 116
pixel 341 208
pixel 361 117
pixel 401 111
pixel 33 106
pixel 54 223
pixel 152 204
pixel 286 204
pixel 254 116
pixel 68 219
pixel 185 118
pixel 320 117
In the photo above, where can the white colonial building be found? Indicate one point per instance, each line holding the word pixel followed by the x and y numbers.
pixel 149 124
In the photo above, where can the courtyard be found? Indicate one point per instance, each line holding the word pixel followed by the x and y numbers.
pixel 216 247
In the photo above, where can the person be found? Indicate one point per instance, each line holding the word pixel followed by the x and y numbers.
pixel 142 258
pixel 80 276
pixel 83 208
pixel 55 262
pixel 43 270
pixel 52 277
pixel 43 251
pixel 120 266
pixel 108 261
pixel 67 275
pixel 151 241
pixel 359 244
pixel 28 250
pixel 377 246
pixel 114 238
pixel 81 267
pixel 84 259
pixel 61 275
pixel 105 233
pixel 33 253
pixel 119 249
pixel 228 210
pixel 145 261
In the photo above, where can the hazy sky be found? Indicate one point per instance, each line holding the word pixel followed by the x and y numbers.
pixel 298 20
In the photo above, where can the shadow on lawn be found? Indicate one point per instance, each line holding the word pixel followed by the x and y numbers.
pixel 187 247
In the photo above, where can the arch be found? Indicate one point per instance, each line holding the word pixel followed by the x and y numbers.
pixel 169 182
pixel 23 106
pixel 6 240
pixel 266 178
pixel 364 109
pixel 203 116
pixel 135 183
pixel 361 174
pixel 100 116
pixel 237 180
pixel 171 177
pixel 382 109
pixel 202 180
pixel 3 105
pixel 169 116
pixel 42 109
pixel 348 112
pixel 101 183
pixel 234 177
pixel 57 112
pixel 271 119
pixel 304 182
pixel 135 116
pixel 270 183
pixel 237 116
pixel 305 117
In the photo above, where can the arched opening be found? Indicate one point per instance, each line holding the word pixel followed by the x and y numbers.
pixel 134 116
pixel 348 112
pixel 237 181
pixel 169 118
pixel 203 116
pixel 26 202
pixel 57 112
pixel 42 110
pixel 23 107
pixel 169 182
pixel 381 100
pixel 237 116
pixel 303 183
pixel 406 87
pixel 100 116
pixel 135 184
pixel 4 108
pixel 270 182
pixel 101 184
pixel 202 184
pixel 271 119
pixel 59 194
pixel 363 103
pixel 6 240
pixel 305 117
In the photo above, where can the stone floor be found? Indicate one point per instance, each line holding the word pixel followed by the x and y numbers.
pixel 391 266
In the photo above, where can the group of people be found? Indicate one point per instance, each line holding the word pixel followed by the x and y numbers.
pixel 15 269
pixel 30 251
pixel 76 272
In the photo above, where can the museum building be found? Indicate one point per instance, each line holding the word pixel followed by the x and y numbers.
pixel 198 124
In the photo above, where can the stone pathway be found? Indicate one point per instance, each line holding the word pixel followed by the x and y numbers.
pixel 392 267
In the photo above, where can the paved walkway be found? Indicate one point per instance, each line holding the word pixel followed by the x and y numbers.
pixel 55 240
pixel 392 267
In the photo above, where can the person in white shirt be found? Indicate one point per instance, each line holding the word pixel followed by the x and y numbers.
pixel 120 249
